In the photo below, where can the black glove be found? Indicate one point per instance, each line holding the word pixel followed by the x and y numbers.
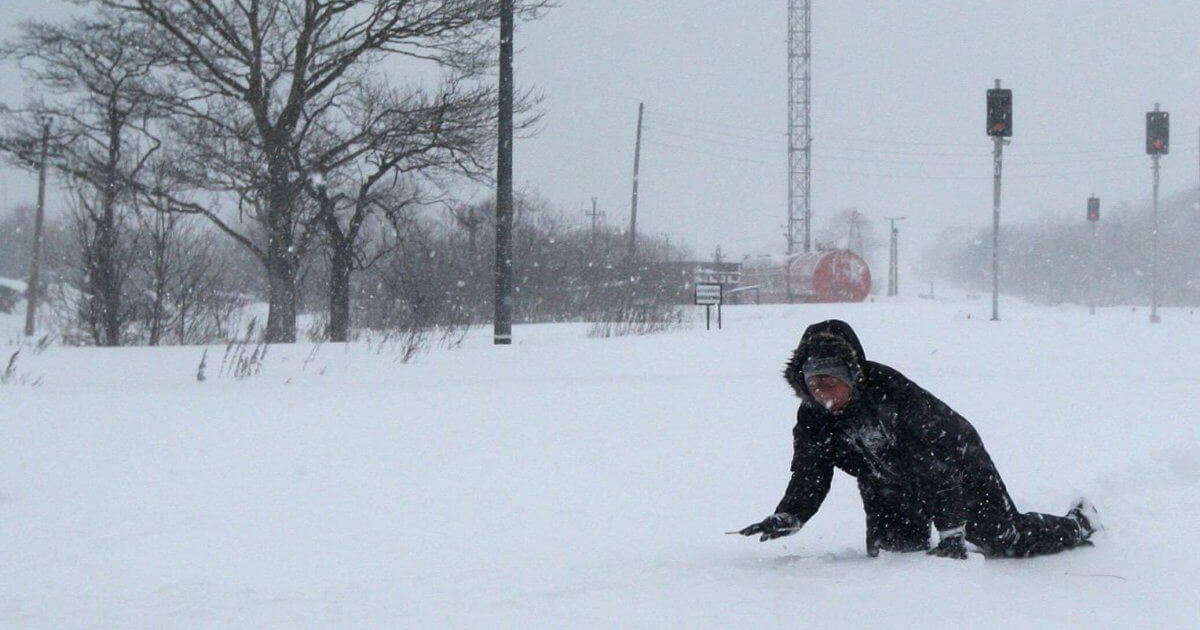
pixel 953 544
pixel 774 526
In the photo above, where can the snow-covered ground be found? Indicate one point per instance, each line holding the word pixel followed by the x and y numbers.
pixel 568 482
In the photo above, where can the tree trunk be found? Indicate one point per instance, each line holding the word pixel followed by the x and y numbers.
pixel 339 294
pixel 157 309
pixel 281 315
pixel 110 275
pixel 281 263
pixel 109 282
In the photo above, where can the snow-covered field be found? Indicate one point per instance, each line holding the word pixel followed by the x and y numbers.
pixel 568 482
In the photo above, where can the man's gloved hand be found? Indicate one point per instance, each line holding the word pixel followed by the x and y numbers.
pixel 952 545
pixel 774 526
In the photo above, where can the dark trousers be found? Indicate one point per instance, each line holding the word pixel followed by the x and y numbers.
pixel 897 520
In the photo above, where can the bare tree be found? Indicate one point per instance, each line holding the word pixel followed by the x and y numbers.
pixel 373 163
pixel 184 290
pixel 251 81
pixel 416 290
pixel 162 233
pixel 92 74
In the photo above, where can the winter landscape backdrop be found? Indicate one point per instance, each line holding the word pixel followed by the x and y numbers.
pixel 577 482
pixel 260 389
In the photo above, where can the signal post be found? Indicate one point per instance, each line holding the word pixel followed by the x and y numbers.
pixel 1093 217
pixel 999 127
pixel 1158 130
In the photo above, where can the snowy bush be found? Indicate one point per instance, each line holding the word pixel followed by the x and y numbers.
pixel 10 375
pixel 637 320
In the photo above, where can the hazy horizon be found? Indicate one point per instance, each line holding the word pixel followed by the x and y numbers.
pixel 897 112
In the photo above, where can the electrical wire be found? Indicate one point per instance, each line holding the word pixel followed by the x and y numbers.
pixel 695 126
pixel 913 176
pixel 684 139
pixel 721 156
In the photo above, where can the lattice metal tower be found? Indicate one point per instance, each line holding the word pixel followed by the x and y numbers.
pixel 799 123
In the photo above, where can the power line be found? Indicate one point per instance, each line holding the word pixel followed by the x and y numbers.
pixel 711 140
pixel 922 176
pixel 763 134
pixel 723 125
pixel 974 160
pixel 748 142
pixel 687 143
pixel 974 177
pixel 723 156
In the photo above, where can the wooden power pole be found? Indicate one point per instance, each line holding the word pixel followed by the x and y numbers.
pixel 637 158
pixel 31 292
pixel 502 333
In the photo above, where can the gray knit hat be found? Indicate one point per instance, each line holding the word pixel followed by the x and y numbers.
pixel 828 366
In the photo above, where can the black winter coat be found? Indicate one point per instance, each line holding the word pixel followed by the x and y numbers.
pixel 896 438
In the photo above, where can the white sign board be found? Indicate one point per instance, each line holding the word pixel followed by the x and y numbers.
pixel 708 293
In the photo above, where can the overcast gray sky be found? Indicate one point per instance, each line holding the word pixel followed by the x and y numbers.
pixel 898 110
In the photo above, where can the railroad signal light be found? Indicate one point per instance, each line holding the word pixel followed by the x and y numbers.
pixel 1093 209
pixel 999 112
pixel 1158 133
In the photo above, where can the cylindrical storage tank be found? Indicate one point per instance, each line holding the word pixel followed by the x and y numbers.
pixel 837 275
pixel 829 276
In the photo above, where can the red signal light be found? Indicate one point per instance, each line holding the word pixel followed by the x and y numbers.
pixel 1158 133
pixel 999 112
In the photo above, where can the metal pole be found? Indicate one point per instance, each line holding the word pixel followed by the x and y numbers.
pixel 894 258
pixel 1095 267
pixel 998 154
pixel 799 122
pixel 791 210
pixel 502 334
pixel 1154 319
pixel 895 266
pixel 637 158
pixel 806 119
pixel 35 264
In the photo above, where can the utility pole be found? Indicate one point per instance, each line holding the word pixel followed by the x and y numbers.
pixel 31 295
pixel 855 234
pixel 637 158
pixel 894 258
pixel 595 216
pixel 502 333
pixel 799 122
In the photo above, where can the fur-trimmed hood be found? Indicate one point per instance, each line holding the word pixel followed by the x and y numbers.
pixel 832 337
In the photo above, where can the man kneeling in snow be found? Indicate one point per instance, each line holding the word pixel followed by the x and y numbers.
pixel 915 459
